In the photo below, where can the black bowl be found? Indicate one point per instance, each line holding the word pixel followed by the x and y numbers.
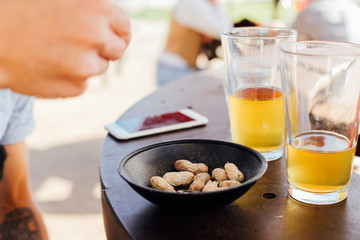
pixel 155 160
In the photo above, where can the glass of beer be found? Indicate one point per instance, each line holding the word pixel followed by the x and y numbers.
pixel 252 86
pixel 322 97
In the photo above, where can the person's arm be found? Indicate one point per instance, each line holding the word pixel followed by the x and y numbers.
pixel 50 48
pixel 203 16
pixel 19 217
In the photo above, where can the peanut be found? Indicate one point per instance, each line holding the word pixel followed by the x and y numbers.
pixel 182 191
pixel 161 184
pixel 233 172
pixel 219 174
pixel 199 182
pixel 195 168
pixel 229 183
pixel 211 186
pixel 176 179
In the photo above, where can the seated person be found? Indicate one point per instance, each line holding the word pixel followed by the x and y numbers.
pixel 332 20
pixel 191 23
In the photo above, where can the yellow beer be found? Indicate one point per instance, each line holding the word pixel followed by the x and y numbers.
pixel 257 118
pixel 320 161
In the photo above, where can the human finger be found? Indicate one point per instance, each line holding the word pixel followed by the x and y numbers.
pixel 114 47
pixel 120 24
pixel 83 65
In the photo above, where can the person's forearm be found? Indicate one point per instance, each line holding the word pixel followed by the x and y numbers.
pixel 22 223
pixel 19 217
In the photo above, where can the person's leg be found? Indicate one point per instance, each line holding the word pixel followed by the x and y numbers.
pixel 19 217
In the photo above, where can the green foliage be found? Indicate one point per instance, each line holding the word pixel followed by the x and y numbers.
pixel 257 11
pixel 152 14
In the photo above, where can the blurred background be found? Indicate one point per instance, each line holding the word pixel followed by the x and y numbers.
pixel 65 146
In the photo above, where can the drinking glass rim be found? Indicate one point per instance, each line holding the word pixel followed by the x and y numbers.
pixel 229 33
pixel 321 43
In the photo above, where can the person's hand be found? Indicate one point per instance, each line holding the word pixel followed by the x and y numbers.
pixel 49 48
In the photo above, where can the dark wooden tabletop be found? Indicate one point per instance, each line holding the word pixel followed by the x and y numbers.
pixel 265 212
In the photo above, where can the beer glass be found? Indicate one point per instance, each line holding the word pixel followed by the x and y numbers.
pixel 321 85
pixel 253 87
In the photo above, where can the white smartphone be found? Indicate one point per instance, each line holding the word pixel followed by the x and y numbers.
pixel 143 126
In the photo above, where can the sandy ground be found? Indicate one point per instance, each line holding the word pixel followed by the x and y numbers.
pixel 66 144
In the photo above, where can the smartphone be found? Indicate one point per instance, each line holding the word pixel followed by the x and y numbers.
pixel 143 126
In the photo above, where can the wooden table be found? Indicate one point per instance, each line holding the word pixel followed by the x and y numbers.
pixel 265 212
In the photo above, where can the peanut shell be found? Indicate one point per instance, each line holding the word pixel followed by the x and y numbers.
pixel 229 183
pixel 211 186
pixel 161 184
pixel 179 178
pixel 233 172
pixel 219 174
pixel 199 182
pixel 185 165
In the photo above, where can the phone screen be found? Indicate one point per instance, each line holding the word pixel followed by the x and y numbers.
pixel 139 124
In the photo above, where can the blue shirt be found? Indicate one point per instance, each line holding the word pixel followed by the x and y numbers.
pixel 16 117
